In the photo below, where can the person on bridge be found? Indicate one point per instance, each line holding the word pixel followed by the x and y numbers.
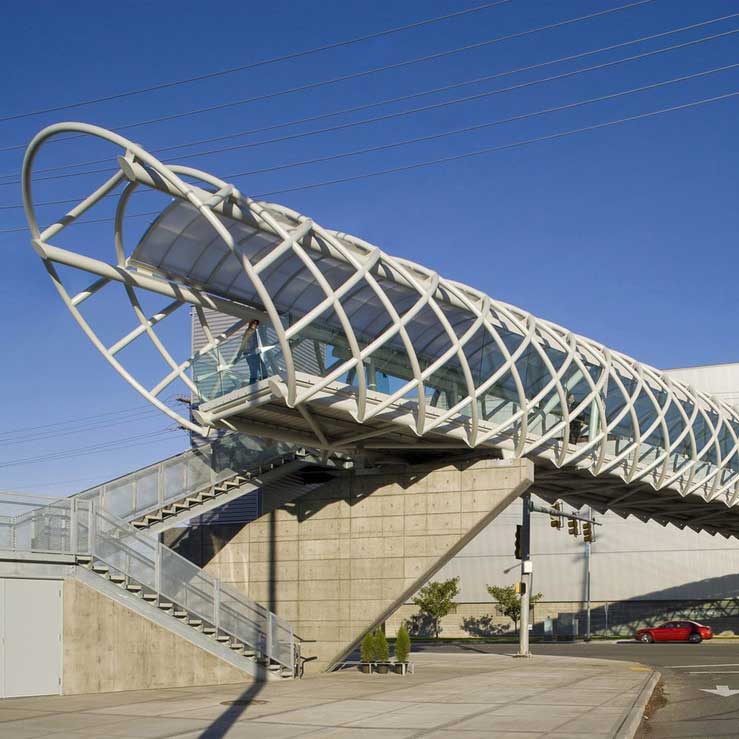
pixel 250 348
pixel 576 424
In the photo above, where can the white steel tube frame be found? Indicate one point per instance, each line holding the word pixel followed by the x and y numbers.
pixel 140 168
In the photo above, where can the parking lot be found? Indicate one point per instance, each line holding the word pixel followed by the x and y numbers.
pixel 681 707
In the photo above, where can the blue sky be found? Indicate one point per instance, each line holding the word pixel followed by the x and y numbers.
pixel 626 234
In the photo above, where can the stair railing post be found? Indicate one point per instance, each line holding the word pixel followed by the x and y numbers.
pixel 216 605
pixel 92 526
pixel 73 538
pixel 269 646
pixel 160 485
pixel 158 568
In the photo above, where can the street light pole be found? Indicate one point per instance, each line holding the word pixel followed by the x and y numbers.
pixel 526 573
pixel 587 583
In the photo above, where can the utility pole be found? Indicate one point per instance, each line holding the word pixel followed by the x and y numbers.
pixel 526 573
pixel 587 581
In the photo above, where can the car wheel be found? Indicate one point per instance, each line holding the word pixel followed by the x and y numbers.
pixel 695 638
pixel 646 638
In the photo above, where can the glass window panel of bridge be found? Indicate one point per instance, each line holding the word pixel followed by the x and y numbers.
pixel 680 451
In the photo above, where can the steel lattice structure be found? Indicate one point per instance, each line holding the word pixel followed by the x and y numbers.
pixel 371 351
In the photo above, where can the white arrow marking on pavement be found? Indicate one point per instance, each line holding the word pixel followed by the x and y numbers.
pixel 723 690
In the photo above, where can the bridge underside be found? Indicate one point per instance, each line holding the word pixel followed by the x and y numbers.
pixel 327 421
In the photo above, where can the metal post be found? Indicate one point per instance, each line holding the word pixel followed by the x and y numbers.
pixel 587 583
pixel 92 526
pixel 269 634
pixel 526 573
pixel 158 568
pixel 216 604
pixel 73 538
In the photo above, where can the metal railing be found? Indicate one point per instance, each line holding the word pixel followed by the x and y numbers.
pixel 134 495
pixel 81 527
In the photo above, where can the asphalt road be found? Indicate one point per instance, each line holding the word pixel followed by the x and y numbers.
pixel 681 708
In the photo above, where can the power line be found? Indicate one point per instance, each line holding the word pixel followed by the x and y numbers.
pixel 365 73
pixel 487 124
pixel 117 444
pixel 492 149
pixel 452 158
pixel 75 419
pixel 254 65
pixel 388 101
pixel 388 116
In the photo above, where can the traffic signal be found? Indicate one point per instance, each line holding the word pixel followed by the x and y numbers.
pixel 573 526
pixel 587 531
pixel 519 550
pixel 556 521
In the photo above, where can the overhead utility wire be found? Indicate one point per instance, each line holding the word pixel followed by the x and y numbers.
pixel 76 419
pixel 444 160
pixel 42 436
pixel 255 65
pixel 514 145
pixel 388 116
pixel 487 124
pixel 364 73
pixel 402 98
pixel 92 449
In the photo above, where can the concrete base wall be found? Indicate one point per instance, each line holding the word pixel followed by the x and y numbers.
pixel 341 559
pixel 108 647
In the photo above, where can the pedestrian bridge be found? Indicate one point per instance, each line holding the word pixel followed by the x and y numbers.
pixel 373 355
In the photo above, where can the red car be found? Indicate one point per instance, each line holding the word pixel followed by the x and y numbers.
pixel 690 631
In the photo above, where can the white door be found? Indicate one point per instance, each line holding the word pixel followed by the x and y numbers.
pixel 30 637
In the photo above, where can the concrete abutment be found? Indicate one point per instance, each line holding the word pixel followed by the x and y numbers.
pixel 340 559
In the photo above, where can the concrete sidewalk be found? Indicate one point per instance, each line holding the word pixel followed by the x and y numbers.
pixel 451 695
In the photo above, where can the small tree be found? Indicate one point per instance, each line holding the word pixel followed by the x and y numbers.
pixel 402 644
pixel 382 650
pixel 510 602
pixel 367 650
pixel 436 600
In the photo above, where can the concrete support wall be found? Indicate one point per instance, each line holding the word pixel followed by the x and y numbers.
pixel 108 647
pixel 341 559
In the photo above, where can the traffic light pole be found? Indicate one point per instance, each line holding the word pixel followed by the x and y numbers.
pixel 526 576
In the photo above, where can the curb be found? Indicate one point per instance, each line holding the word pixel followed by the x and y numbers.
pixel 631 723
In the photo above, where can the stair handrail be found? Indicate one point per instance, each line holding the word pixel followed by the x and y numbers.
pixel 82 528
pixel 148 489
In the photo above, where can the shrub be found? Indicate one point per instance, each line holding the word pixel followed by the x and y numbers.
pixel 436 600
pixel 382 650
pixel 402 644
pixel 367 650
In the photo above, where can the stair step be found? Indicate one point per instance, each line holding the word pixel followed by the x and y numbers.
pixel 209 630
pixel 116 578
pixel 179 614
pixel 132 587
pixel 194 501
pixel 274 667
pixel 209 494
pixel 151 597
pixel 101 569
pixel 194 622
pixel 165 606
pixel 180 506
pixel 84 559
pixel 223 638
pixel 139 524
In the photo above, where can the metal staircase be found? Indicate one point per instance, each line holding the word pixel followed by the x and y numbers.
pixel 237 629
pixel 171 492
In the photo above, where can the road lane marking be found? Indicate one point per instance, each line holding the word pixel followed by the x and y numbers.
pixel 720 664
pixel 723 690
pixel 716 672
